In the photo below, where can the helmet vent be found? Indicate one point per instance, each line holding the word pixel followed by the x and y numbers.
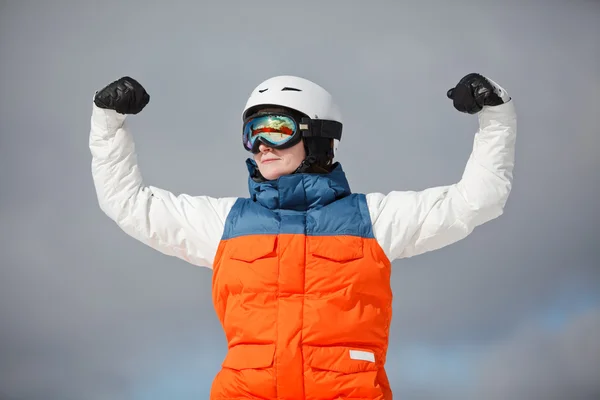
pixel 291 88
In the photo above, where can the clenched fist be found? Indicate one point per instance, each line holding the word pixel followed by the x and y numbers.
pixel 125 96
pixel 474 91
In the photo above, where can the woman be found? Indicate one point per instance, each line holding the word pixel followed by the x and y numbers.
pixel 301 268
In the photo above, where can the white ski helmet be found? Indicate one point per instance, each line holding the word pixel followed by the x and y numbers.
pixel 298 94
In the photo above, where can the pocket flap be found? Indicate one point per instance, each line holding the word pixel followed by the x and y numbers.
pixel 244 356
pixel 253 248
pixel 337 248
pixel 341 359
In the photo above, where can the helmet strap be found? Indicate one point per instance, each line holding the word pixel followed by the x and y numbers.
pixel 319 155
pixel 318 138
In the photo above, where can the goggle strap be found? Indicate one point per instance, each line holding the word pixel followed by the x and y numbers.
pixel 321 128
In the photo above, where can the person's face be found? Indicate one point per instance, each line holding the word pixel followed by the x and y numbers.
pixel 273 163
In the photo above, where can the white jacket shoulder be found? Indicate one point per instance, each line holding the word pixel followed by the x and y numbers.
pixel 188 227
pixel 407 223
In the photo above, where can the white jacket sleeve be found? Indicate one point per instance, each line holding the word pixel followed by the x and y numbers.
pixel 183 226
pixel 408 223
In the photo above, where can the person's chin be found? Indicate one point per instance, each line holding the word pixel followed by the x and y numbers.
pixel 271 172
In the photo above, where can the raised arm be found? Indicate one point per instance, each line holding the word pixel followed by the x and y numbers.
pixel 183 226
pixel 408 223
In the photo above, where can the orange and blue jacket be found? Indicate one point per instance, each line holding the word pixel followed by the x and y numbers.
pixel 301 267
pixel 302 290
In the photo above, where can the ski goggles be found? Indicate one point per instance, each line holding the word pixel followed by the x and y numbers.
pixel 275 130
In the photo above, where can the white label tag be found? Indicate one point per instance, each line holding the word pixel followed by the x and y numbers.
pixel 362 355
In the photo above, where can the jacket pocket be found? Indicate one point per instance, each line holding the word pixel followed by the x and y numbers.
pixel 337 248
pixel 347 360
pixel 254 248
pixel 247 373
pixel 342 372
pixel 249 356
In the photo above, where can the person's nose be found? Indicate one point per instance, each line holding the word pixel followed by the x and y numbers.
pixel 263 148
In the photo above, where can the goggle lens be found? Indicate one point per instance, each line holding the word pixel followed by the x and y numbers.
pixel 274 130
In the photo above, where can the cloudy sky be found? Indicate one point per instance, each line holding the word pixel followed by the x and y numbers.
pixel 86 312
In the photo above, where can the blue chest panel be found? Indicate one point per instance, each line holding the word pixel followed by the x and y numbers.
pixel 346 216
pixel 303 204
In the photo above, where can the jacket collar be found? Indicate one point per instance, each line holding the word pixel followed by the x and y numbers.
pixel 299 192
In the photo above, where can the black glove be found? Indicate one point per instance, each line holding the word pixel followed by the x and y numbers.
pixel 472 93
pixel 125 96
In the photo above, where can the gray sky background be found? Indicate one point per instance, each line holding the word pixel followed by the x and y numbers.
pixel 86 312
